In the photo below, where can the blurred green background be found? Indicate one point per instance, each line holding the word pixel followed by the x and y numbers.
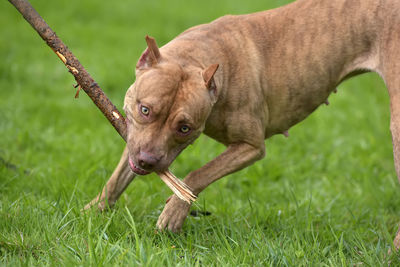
pixel 328 195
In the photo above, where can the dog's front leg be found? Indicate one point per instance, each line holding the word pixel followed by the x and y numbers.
pixel 235 157
pixel 118 182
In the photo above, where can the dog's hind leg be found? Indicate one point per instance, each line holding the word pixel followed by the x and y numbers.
pixel 391 75
pixel 395 129
pixel 389 68
pixel 118 182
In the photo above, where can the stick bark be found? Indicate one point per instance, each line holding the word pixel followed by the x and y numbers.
pixel 81 76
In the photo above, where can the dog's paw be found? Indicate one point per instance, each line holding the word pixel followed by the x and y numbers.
pixel 173 215
pixel 101 205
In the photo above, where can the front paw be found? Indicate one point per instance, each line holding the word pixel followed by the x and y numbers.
pixel 101 204
pixel 173 215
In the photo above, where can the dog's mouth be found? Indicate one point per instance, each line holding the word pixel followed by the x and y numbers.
pixel 136 169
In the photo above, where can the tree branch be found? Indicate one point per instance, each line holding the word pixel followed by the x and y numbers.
pixel 82 77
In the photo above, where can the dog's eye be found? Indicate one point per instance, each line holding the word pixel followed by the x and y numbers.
pixel 145 110
pixel 184 129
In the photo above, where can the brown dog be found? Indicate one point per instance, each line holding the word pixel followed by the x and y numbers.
pixel 241 79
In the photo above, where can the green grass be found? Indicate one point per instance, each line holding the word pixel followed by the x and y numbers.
pixel 326 196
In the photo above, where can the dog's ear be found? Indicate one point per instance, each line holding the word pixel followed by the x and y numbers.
pixel 208 76
pixel 151 56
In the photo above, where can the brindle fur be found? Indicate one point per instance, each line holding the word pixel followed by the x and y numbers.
pixel 275 68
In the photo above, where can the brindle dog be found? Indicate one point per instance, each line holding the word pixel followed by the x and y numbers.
pixel 241 79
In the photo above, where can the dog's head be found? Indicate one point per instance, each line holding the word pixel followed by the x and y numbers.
pixel 166 109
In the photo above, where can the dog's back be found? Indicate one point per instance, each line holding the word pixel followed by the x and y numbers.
pixel 293 56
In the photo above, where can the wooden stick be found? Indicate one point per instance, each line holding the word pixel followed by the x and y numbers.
pixel 82 77
pixel 91 88
pixel 178 187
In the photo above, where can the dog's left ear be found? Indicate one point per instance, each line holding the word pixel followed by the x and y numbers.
pixel 208 76
pixel 151 56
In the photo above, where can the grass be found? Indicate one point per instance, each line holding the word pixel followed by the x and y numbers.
pixel 326 196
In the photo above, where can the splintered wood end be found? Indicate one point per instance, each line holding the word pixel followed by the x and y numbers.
pixel 179 188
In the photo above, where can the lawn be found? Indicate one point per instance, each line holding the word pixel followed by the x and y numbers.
pixel 326 196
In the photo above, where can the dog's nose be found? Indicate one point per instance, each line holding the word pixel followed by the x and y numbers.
pixel 147 161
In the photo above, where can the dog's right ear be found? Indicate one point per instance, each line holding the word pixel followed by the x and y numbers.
pixel 151 56
pixel 208 76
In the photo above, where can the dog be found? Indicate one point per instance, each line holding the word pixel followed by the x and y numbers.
pixel 241 79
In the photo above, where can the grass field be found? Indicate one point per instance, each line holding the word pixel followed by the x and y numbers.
pixel 326 196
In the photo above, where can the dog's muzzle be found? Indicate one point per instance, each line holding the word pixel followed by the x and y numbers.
pixel 137 170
